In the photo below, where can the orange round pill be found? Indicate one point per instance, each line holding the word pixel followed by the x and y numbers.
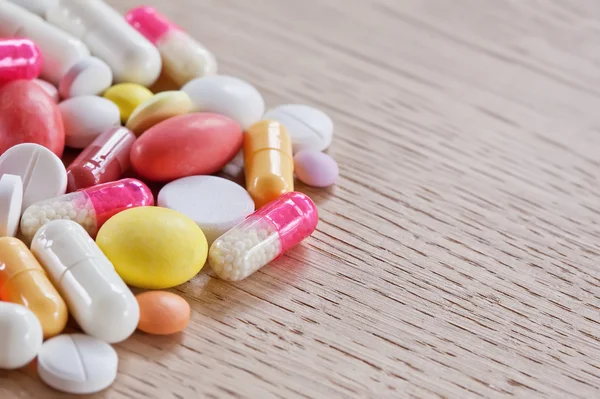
pixel 162 313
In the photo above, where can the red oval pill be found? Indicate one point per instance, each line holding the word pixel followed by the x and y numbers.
pixel 186 145
pixel 29 115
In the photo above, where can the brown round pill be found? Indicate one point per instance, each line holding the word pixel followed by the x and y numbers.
pixel 162 313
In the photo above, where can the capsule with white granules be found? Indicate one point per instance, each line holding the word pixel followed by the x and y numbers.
pixel 90 207
pixel 263 236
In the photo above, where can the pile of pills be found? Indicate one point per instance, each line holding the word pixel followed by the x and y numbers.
pixel 74 239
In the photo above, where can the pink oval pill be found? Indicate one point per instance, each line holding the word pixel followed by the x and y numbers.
pixel 315 168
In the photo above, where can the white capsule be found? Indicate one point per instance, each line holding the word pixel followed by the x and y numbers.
pixel 131 57
pixel 97 298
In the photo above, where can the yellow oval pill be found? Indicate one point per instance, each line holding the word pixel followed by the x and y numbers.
pixel 127 96
pixel 160 107
pixel 152 247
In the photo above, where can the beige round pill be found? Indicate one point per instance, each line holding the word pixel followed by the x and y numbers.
pixel 158 108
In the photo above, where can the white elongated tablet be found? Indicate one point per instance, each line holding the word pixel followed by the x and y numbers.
pixel 214 203
pixel 130 55
pixel 77 363
pixel 11 200
pixel 49 88
pixel 228 96
pixel 20 335
pixel 60 50
pixel 236 166
pixel 88 76
pixel 37 7
pixel 308 127
pixel 86 117
pixel 96 296
pixel 43 173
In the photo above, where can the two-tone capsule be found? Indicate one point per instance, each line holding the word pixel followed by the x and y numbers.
pixel 90 207
pixel 183 57
pixel 104 160
pixel 263 236
pixel 268 162
pixel 23 281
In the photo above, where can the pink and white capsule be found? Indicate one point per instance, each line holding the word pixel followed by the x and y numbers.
pixel 19 59
pixel 263 236
pixel 90 207
pixel 183 58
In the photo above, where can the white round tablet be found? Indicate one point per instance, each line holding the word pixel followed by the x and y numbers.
pixel 11 201
pixel 42 172
pixel 214 203
pixel 227 96
pixel 77 363
pixel 20 335
pixel 88 76
pixel 86 117
pixel 49 88
pixel 308 127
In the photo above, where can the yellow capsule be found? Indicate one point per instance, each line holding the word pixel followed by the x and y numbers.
pixel 127 96
pixel 158 108
pixel 268 162
pixel 23 281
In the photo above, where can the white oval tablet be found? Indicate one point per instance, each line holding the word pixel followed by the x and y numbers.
pixel 20 335
pixel 88 76
pixel 308 127
pixel 49 88
pixel 214 203
pixel 77 363
pixel 228 96
pixel 42 172
pixel 86 117
pixel 11 200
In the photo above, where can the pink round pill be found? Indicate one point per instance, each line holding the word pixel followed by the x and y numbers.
pixel 315 168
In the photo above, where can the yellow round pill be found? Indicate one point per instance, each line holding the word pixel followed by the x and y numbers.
pixel 160 107
pixel 152 247
pixel 127 96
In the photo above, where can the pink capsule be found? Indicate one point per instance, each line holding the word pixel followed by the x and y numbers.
pixel 104 160
pixel 90 207
pixel 263 236
pixel 19 59
pixel 183 58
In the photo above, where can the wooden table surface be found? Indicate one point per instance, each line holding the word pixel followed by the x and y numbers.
pixel 457 257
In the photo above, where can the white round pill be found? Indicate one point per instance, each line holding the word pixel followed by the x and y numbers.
pixel 214 203
pixel 49 88
pixel 77 363
pixel 228 96
pixel 11 200
pixel 20 335
pixel 308 127
pixel 86 117
pixel 88 76
pixel 42 172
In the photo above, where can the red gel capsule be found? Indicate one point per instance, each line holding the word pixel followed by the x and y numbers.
pixel 19 59
pixel 105 160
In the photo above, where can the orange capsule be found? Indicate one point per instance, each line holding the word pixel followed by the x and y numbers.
pixel 23 281
pixel 162 313
pixel 268 162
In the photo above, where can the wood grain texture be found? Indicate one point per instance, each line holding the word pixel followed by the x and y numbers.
pixel 458 255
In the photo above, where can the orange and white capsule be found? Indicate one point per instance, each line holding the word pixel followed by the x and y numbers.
pixel 24 281
pixel 268 162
